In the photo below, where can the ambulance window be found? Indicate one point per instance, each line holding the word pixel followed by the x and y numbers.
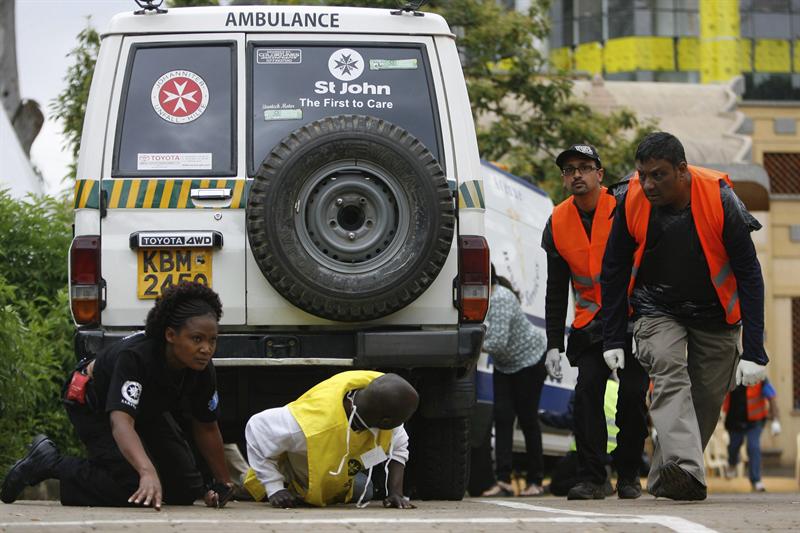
pixel 295 84
pixel 177 112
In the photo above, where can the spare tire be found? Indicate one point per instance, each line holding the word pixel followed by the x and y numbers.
pixel 350 218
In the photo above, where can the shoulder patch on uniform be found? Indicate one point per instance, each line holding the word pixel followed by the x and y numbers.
pixel 213 402
pixel 131 392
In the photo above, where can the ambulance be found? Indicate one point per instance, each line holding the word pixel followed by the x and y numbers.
pixel 318 168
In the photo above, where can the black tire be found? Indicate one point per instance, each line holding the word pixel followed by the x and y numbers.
pixel 376 238
pixel 441 452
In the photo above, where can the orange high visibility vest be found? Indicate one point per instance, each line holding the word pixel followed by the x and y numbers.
pixel 757 405
pixel 708 218
pixel 584 257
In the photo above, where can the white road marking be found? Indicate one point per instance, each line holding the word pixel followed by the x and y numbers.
pixel 678 524
pixel 675 523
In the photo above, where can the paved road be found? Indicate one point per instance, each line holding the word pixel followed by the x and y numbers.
pixel 734 512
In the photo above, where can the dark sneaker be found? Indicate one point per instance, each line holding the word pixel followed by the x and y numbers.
pixel 35 467
pixel 629 489
pixel 586 490
pixel 678 484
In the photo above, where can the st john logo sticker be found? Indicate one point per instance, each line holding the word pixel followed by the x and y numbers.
pixel 179 96
pixel 346 64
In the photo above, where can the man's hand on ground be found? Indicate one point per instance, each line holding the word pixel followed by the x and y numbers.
pixel 552 363
pixel 615 358
pixel 218 495
pixel 749 373
pixel 283 499
pixel 398 501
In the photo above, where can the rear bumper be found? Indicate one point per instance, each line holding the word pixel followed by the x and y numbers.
pixel 452 348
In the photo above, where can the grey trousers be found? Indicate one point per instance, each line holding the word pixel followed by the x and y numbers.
pixel 692 369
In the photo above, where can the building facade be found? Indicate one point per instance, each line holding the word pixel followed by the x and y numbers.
pixel 773 128
pixel 704 41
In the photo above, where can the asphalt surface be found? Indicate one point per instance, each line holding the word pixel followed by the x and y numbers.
pixel 720 512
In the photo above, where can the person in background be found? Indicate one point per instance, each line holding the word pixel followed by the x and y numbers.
pixel 575 240
pixel 680 259
pixel 125 406
pixel 747 411
pixel 516 348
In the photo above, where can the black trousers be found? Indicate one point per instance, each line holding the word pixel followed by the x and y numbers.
pixel 591 434
pixel 518 395
pixel 564 475
pixel 105 478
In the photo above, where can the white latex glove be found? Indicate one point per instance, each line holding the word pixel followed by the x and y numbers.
pixel 552 363
pixel 775 428
pixel 749 373
pixel 615 358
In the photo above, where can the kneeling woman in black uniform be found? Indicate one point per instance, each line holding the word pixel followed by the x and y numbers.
pixel 124 405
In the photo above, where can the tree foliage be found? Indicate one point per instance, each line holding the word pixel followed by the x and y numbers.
pixel 69 107
pixel 35 326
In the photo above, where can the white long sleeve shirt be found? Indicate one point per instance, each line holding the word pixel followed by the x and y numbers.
pixel 275 432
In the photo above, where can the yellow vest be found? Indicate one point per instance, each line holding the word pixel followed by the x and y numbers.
pixel 610 408
pixel 321 416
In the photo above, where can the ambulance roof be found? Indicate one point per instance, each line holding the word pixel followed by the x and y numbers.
pixel 278 19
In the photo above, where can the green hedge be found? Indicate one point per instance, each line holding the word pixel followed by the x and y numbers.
pixel 35 324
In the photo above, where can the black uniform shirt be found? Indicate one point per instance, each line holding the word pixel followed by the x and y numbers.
pixel 133 376
pixel 674 279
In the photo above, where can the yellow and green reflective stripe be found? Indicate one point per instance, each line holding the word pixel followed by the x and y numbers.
pixel 154 193
pixel 86 194
pixel 470 194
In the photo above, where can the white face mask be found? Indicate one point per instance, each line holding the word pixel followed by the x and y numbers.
pixel 354 412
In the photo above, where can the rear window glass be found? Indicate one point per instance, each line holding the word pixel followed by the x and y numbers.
pixel 177 114
pixel 292 85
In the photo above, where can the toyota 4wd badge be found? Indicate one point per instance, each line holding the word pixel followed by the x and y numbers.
pixel 179 96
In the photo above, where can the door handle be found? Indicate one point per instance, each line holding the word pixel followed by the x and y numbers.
pixel 211 194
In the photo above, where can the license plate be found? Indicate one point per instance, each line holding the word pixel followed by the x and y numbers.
pixel 163 268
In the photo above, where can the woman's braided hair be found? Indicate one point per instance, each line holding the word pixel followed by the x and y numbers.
pixel 179 303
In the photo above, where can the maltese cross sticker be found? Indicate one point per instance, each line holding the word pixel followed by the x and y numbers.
pixel 346 64
pixel 179 96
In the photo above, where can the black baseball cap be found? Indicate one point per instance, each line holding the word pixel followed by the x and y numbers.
pixel 580 150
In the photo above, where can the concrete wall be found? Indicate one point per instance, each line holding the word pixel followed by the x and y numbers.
pixel 780 260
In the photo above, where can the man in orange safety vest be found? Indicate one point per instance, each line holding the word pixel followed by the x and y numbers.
pixel 681 261
pixel 575 241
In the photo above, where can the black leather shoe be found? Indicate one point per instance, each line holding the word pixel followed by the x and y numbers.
pixel 39 464
pixel 629 489
pixel 586 490
pixel 678 484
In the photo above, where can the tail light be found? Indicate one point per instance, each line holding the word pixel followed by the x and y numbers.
pixel 473 286
pixel 84 279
